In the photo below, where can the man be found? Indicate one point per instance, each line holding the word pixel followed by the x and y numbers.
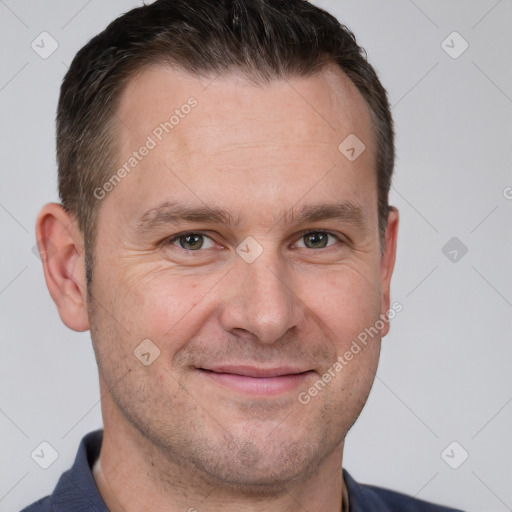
pixel 226 237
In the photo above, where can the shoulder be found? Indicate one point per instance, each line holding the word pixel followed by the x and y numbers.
pixel 407 503
pixel 366 498
pixel 76 489
pixel 42 505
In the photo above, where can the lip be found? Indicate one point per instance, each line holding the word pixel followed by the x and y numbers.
pixel 257 381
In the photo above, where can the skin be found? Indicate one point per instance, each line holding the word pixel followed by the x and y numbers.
pixel 173 437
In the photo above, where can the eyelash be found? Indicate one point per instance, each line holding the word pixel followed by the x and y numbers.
pixel 175 238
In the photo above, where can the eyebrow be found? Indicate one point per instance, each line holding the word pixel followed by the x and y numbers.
pixel 172 212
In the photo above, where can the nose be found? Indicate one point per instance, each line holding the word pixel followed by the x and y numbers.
pixel 259 298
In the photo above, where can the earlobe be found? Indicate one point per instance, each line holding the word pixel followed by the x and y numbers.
pixel 388 263
pixel 60 245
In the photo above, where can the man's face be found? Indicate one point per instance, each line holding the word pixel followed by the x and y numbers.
pixel 239 339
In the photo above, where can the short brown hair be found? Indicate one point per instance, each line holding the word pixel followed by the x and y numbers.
pixel 263 39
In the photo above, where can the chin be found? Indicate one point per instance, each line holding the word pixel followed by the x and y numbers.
pixel 250 471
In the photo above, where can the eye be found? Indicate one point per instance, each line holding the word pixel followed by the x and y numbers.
pixel 191 241
pixel 317 240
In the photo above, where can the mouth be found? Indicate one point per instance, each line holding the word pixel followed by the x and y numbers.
pixel 257 381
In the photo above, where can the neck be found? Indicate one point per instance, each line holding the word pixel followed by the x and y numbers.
pixel 132 475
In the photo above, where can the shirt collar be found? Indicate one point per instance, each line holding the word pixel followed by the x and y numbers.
pixel 76 489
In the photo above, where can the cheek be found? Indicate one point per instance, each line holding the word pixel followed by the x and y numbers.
pixel 347 300
pixel 161 304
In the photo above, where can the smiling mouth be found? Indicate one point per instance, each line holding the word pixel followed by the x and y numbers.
pixel 257 381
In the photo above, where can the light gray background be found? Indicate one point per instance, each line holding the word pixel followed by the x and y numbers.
pixel 445 370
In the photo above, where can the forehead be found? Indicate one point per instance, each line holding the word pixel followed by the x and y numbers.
pixel 275 140
pixel 326 100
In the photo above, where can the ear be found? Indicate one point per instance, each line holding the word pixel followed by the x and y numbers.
pixel 61 247
pixel 387 264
